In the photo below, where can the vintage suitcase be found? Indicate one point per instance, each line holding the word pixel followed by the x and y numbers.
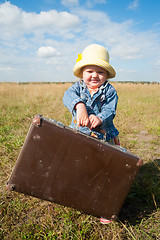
pixel 64 166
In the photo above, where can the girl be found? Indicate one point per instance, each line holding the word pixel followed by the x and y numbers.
pixel 93 100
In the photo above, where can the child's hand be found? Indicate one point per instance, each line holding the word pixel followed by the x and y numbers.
pixel 82 115
pixel 94 121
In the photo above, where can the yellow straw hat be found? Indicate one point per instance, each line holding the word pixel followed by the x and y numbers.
pixel 93 54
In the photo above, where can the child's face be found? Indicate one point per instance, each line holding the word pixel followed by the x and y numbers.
pixel 94 76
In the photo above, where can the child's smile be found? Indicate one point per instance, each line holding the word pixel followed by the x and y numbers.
pixel 94 76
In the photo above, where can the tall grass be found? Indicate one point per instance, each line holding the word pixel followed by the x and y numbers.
pixel 138 120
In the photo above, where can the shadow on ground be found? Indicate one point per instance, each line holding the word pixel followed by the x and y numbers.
pixel 144 196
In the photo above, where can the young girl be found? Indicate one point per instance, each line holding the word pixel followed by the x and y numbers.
pixel 93 100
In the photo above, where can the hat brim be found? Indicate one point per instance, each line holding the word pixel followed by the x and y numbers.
pixel 97 62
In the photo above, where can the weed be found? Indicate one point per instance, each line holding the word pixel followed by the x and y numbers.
pixel 138 120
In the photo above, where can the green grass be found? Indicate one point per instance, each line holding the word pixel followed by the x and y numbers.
pixel 138 120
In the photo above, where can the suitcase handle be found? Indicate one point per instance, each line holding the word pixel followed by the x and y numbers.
pixel 98 129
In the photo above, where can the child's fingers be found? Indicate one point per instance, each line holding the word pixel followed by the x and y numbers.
pixel 83 122
pixel 94 124
pixel 94 121
pixel 82 115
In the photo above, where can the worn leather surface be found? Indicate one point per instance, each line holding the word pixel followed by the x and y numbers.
pixel 69 168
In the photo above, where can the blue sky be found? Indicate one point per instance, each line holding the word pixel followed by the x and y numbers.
pixel 40 39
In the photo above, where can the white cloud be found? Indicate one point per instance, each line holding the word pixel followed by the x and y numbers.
pixel 15 22
pixel 133 5
pixel 120 38
pixel 47 52
pixel 69 2
pixel 94 2
pixel 7 69
pixel 157 64
pixel 38 45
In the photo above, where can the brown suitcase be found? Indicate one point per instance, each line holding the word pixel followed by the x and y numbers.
pixel 64 166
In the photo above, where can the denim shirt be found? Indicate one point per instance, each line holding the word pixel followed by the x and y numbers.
pixel 103 104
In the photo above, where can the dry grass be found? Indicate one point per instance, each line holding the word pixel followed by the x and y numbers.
pixel 138 121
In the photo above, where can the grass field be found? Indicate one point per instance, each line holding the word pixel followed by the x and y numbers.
pixel 138 120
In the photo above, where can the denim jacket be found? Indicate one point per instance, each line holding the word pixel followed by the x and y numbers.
pixel 103 104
